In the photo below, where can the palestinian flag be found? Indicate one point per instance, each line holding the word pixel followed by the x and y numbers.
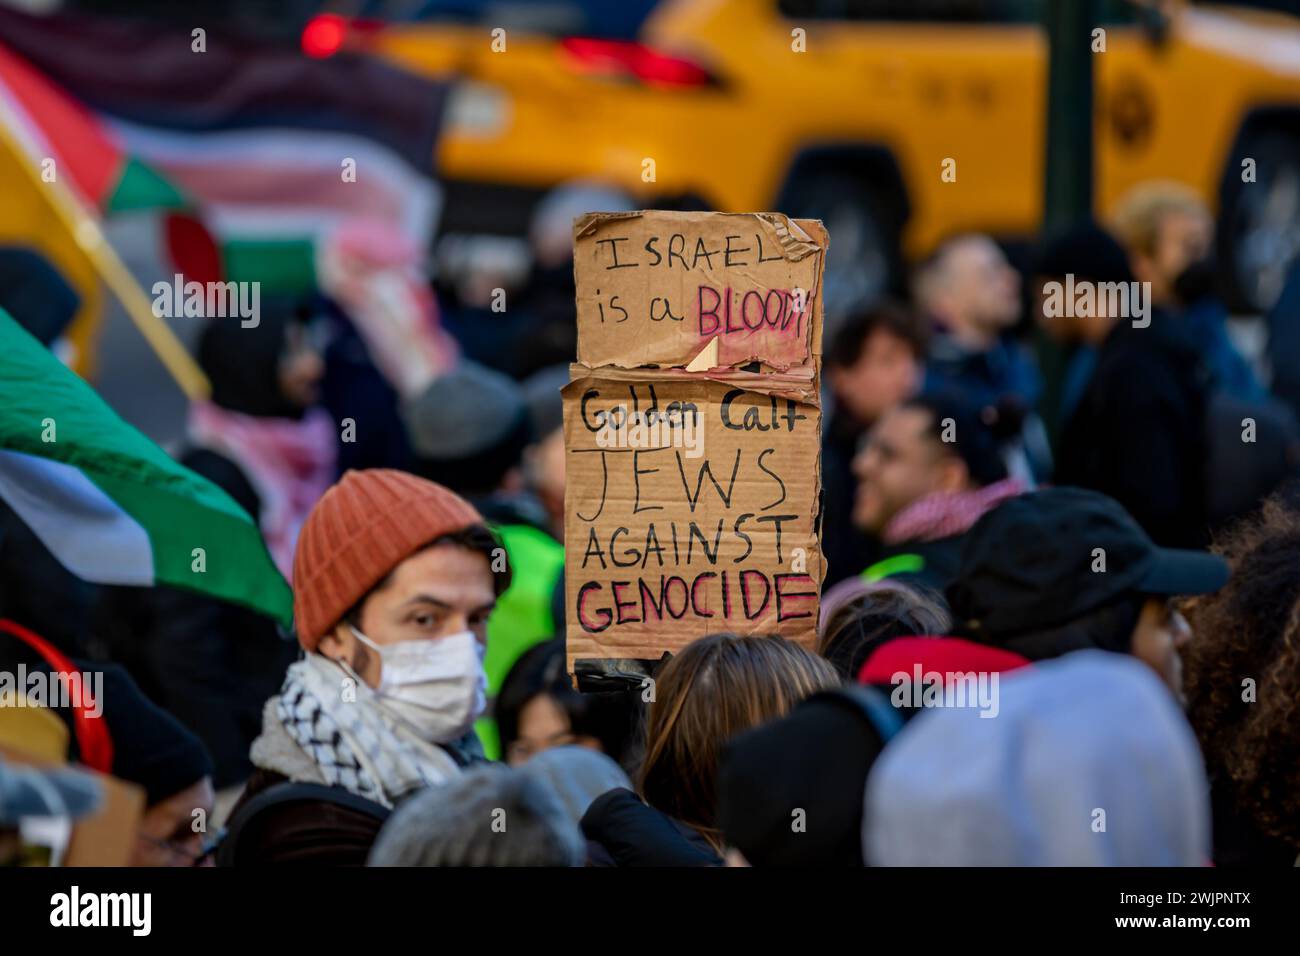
pixel 45 133
pixel 49 125
pixel 109 504
pixel 270 196
pixel 255 133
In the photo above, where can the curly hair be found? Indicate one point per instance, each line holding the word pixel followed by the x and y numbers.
pixel 1251 629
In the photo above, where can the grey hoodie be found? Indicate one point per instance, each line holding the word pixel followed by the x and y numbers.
pixel 1089 762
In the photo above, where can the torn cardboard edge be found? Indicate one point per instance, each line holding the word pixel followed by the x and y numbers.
pixel 800 385
pixel 627 356
pixel 707 359
pixel 795 240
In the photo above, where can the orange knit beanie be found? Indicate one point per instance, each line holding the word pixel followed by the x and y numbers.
pixel 360 530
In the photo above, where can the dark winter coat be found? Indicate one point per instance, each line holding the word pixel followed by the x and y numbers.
pixel 621 830
pixel 311 822
pixel 1138 433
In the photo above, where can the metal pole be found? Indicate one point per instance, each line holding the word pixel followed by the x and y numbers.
pixel 1067 196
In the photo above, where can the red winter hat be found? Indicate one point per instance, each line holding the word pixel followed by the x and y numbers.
pixel 944 655
pixel 361 529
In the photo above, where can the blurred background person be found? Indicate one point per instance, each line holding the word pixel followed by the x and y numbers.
pixel 1162 422
pixel 1283 347
pixel 882 612
pixel 1170 236
pixel 1168 233
pixel 1138 432
pixel 1065 569
pixel 1185 416
pixel 548 329
pixel 971 294
pixel 873 363
pixel 716 687
pixel 264 439
pixel 537 709
pixel 544 467
pixel 927 472
pixel 386 339
pixel 1089 254
pixel 479 285
pixel 358 396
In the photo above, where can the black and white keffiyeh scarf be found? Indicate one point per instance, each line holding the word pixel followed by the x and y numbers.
pixel 338 723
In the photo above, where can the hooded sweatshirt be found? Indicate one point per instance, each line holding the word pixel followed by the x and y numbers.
pixel 1089 763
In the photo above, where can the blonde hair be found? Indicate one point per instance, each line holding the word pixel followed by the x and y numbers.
pixel 1138 216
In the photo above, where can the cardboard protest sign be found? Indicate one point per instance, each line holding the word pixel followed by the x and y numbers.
pixel 657 288
pixel 693 448
pixel 695 518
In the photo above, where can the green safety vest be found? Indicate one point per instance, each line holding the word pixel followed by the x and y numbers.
pixel 522 616
pixel 896 564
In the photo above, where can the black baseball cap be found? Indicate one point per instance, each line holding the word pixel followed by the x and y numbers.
pixel 1034 563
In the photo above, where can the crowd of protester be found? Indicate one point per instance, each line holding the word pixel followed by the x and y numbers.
pixel 1088 581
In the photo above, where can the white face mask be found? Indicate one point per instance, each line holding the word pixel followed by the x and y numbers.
pixel 437 686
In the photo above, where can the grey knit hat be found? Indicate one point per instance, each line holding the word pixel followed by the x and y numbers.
pixel 463 413
pixel 468 429
pixel 542 393
pixel 578 774
pixel 490 816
